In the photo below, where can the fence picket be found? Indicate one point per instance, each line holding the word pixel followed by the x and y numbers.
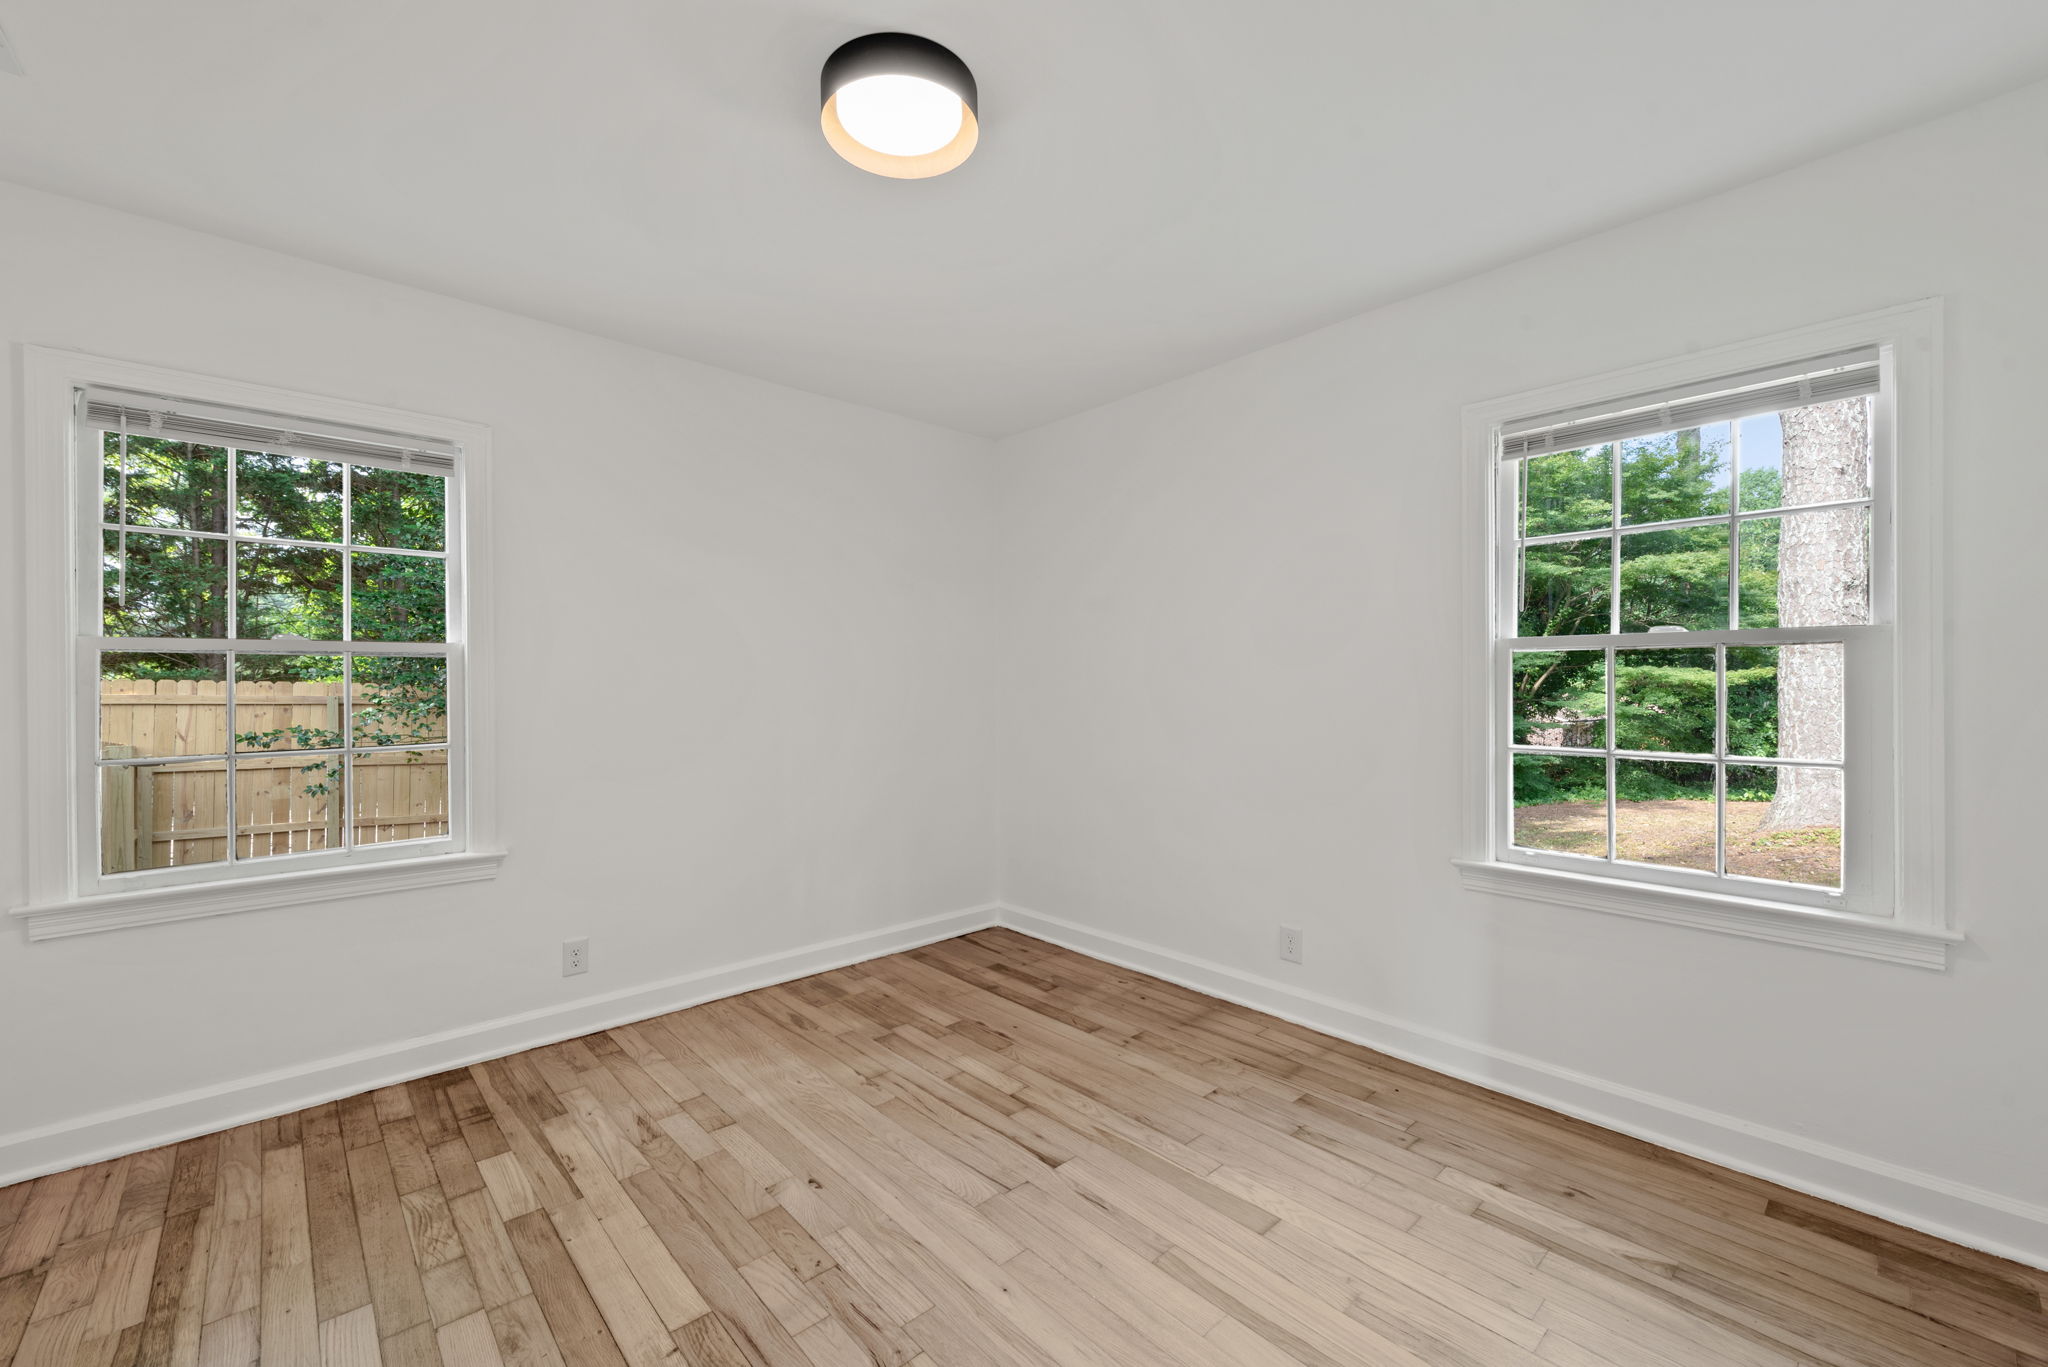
pixel 154 816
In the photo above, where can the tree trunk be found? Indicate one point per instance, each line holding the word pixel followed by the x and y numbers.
pixel 1823 580
pixel 223 568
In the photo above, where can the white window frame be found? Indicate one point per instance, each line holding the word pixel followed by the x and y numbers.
pixel 68 894
pixel 1893 906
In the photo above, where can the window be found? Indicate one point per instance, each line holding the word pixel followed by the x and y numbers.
pixel 271 638
pixel 1692 657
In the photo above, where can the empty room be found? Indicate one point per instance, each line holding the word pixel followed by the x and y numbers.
pixel 805 683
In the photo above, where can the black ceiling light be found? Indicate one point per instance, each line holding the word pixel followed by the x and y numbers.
pixel 899 105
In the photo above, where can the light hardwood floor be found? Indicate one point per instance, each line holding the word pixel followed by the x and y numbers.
pixel 989 1151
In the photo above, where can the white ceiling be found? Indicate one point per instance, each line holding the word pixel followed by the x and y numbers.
pixel 1160 184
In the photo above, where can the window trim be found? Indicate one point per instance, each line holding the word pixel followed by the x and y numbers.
pixel 1907 554
pixel 66 895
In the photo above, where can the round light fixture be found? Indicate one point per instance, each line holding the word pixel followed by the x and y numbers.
pixel 899 105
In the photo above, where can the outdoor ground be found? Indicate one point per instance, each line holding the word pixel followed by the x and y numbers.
pixel 1680 833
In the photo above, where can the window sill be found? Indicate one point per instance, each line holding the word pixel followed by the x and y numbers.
pixel 120 910
pixel 1750 918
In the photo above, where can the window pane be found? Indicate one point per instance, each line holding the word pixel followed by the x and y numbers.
pixel 288 591
pixel 1824 452
pixel 1561 804
pixel 1818 454
pixel 400 795
pixel 1787 701
pixel 399 598
pixel 1664 700
pixel 287 804
pixel 1675 475
pixel 156 816
pixel 400 700
pixel 1806 569
pixel 162 704
pixel 175 586
pixel 288 702
pixel 1664 813
pixel 396 508
pixel 1561 698
pixel 1785 824
pixel 1572 491
pixel 1566 588
pixel 1757 540
pixel 170 484
pixel 1676 578
pixel 292 496
pixel 1762 476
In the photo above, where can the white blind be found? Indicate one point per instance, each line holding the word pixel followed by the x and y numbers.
pixel 150 415
pixel 1823 379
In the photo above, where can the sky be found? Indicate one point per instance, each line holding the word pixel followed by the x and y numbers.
pixel 1763 444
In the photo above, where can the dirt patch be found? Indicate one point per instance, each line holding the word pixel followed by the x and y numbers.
pixel 1680 834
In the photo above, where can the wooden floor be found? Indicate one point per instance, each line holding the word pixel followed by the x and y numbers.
pixel 986 1151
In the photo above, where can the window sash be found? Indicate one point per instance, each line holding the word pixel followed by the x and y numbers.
pixel 1868 872
pixel 89 462
pixel 96 432
pixel 256 539
pixel 1675 525
pixel 1513 517
pixel 165 761
pixel 1869 853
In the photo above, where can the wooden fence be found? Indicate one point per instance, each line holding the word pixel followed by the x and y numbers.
pixel 159 814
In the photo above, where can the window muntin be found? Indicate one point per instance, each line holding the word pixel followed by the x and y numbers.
pixel 1679 608
pixel 275 683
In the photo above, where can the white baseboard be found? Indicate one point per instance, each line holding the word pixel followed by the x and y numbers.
pixel 164 1120
pixel 1935 1205
pixel 1950 1210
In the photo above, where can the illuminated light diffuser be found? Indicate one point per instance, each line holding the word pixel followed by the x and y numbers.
pixel 899 105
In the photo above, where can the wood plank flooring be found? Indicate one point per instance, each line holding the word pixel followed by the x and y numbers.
pixel 988 1151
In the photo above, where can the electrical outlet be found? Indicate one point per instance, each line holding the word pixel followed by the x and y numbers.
pixel 575 957
pixel 1290 944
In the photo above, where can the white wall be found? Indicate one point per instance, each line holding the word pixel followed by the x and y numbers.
pixel 743 680
pixel 1198 744
pixel 1205 743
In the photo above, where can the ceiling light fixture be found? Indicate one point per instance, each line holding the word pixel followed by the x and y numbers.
pixel 899 105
